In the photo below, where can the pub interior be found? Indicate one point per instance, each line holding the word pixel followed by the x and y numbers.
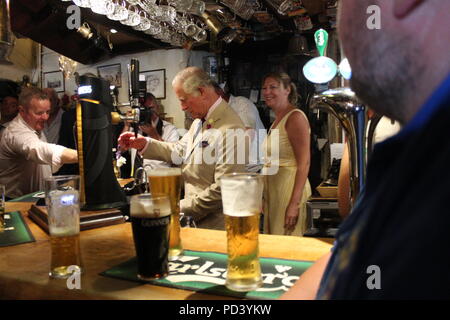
pixel 102 58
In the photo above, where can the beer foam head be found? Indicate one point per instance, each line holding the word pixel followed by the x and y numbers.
pixel 163 172
pixel 64 231
pixel 148 206
pixel 241 194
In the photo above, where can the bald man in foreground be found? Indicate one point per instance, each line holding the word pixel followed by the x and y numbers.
pixel 394 244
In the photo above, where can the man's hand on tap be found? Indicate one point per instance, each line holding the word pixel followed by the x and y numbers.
pixel 128 140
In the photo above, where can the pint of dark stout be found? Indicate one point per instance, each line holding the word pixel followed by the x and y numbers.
pixel 150 219
pixel 168 181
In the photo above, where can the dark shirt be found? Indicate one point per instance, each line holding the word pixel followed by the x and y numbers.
pixel 395 244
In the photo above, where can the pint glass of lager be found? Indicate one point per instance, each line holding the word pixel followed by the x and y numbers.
pixel 62 200
pixel 242 205
pixel 150 219
pixel 168 181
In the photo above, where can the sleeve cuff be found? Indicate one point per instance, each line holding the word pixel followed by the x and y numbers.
pixel 56 155
pixel 145 147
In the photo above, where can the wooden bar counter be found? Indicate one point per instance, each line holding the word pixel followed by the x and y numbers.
pixel 24 268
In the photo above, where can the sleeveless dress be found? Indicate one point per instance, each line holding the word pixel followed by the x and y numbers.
pixel 278 187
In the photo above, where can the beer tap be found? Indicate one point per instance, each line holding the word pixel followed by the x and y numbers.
pixel 343 104
pixel 133 78
pixel 138 114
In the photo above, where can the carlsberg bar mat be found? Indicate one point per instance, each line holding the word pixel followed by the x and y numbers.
pixel 204 272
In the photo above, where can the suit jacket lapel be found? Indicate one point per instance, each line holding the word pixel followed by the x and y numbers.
pixel 198 131
pixel 196 136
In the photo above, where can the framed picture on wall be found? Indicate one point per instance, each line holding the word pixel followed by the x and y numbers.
pixel 155 81
pixel 54 80
pixel 112 73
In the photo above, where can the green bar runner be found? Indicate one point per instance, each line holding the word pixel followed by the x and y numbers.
pixel 31 197
pixel 204 272
pixel 16 230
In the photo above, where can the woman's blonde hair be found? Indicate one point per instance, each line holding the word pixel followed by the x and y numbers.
pixel 284 79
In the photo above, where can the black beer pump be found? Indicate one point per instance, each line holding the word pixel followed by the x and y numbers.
pixel 96 113
pixel 99 188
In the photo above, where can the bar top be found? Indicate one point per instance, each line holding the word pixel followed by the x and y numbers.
pixel 24 268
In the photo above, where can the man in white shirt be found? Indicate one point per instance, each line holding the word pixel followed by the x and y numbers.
pixel 249 115
pixel 53 124
pixel 26 158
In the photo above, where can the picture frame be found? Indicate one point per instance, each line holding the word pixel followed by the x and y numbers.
pixel 112 73
pixel 54 80
pixel 155 81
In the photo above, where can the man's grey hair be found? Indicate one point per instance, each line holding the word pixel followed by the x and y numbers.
pixel 29 93
pixel 191 79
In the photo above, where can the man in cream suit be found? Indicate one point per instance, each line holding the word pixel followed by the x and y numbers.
pixel 212 147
